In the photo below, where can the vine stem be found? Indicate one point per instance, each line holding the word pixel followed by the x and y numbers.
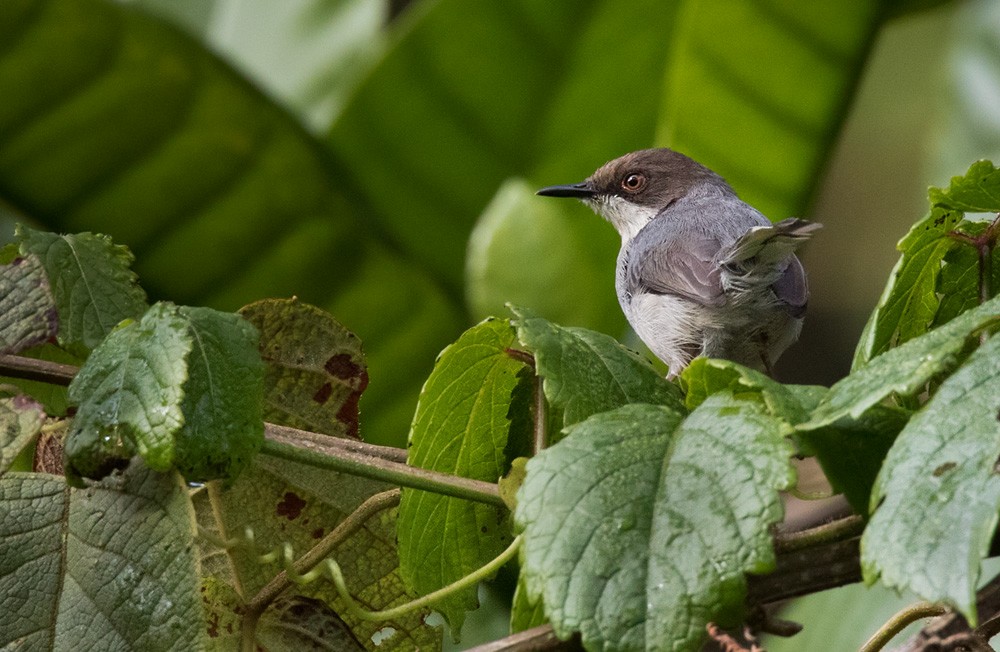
pixel 351 524
pixel 840 529
pixel 480 574
pixel 315 450
pixel 897 623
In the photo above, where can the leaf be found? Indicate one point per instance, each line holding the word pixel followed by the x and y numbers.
pixel 909 301
pixel 903 370
pixel 525 613
pixel 461 427
pixel 77 553
pixel 27 309
pixel 770 134
pixel 977 191
pixel 315 367
pixel 493 92
pixel 286 502
pixel 936 499
pixel 640 524
pixel 129 396
pixel 92 282
pixel 223 396
pixel 21 420
pixel 958 283
pixel 930 265
pixel 297 623
pixel 585 373
pixel 851 453
pixel 522 250
pixel 707 376
pixel 182 388
pixel 117 123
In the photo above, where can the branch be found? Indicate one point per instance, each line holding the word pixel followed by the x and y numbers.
pixel 54 373
pixel 318 451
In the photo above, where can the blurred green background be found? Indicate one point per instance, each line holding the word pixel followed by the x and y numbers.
pixel 378 158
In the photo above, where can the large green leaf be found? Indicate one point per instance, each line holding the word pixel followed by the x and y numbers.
pixel 640 524
pixel 462 427
pixel 492 91
pixel 117 123
pixel 112 567
pixel 936 499
pixel 758 91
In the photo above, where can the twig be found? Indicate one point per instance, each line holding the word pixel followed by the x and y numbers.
pixel 318 452
pixel 897 623
pixel 843 528
pixel 54 373
pixel 536 639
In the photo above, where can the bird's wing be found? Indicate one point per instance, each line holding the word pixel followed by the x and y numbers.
pixel 690 272
pixel 765 256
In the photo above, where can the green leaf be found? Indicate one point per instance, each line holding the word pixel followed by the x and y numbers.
pixel 524 248
pixel 707 376
pixel 977 191
pixel 934 276
pixel 491 92
pixel 110 567
pixel 117 123
pixel 92 282
pixel 298 623
pixel 461 427
pixel 958 283
pixel 21 420
pixel 27 309
pixel 936 499
pixel 182 388
pixel 129 394
pixel 223 396
pixel 524 612
pixel 903 370
pixel 735 100
pixel 289 503
pixel 315 367
pixel 851 452
pixel 585 372
pixel 640 524
pixel 909 301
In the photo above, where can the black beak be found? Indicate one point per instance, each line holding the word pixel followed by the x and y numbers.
pixel 581 190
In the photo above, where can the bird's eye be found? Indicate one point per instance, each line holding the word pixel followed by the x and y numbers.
pixel 633 183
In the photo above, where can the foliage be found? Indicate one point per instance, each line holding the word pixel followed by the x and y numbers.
pixel 640 522
pixel 646 515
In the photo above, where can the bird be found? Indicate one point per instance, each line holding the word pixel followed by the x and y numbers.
pixel 700 272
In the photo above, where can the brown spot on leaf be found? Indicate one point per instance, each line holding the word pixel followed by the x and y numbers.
pixel 290 506
pixel 322 395
pixel 341 366
pixel 213 625
pixel 944 468
pixel 348 412
pixel 317 533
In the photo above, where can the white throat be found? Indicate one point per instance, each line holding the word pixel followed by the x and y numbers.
pixel 627 218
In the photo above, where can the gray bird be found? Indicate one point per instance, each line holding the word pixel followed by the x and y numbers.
pixel 700 272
